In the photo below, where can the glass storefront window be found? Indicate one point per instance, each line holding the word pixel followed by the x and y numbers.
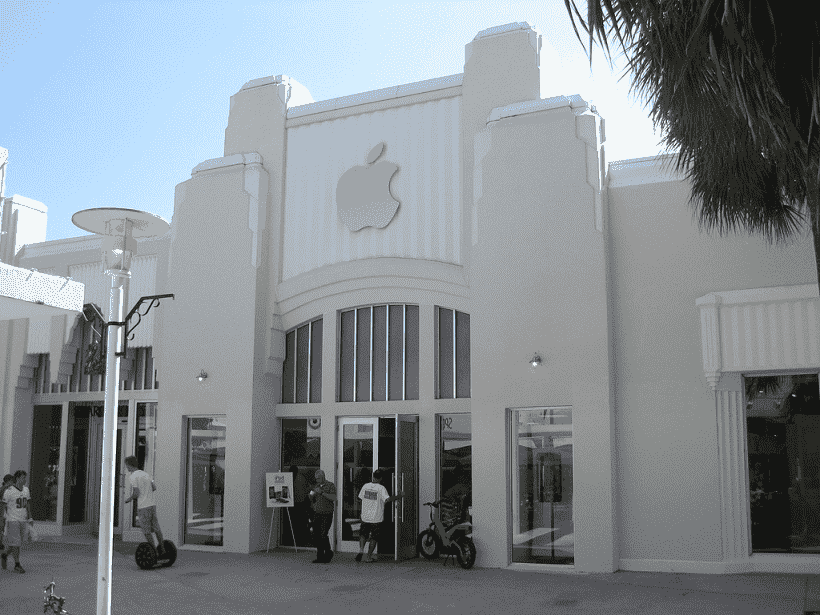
pixel 144 446
pixel 205 481
pixel 45 462
pixel 541 485
pixel 301 448
pixel 783 434
pixel 456 458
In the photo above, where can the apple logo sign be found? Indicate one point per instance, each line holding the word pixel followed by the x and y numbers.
pixel 363 193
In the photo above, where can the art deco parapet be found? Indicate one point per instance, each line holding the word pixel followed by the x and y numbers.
pixel 255 186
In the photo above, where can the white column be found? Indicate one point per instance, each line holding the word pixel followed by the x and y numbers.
pixel 734 472
pixel 710 337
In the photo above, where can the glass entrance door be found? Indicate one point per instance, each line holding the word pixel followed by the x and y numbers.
pixel 405 480
pixel 95 437
pixel 390 444
pixel 359 452
pixel 84 443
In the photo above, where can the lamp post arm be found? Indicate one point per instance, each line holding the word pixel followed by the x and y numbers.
pixel 153 302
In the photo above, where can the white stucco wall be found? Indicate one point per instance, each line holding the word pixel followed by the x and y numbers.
pixel 666 424
pixel 216 323
pixel 422 139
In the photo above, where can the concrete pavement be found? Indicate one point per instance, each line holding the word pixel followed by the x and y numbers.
pixel 287 583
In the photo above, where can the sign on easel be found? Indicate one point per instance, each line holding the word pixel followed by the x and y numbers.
pixel 279 489
pixel 279 494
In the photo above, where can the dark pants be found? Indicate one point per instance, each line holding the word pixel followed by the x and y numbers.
pixel 301 517
pixel 321 526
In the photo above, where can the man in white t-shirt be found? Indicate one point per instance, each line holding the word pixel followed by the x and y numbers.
pixel 17 505
pixel 373 496
pixel 142 490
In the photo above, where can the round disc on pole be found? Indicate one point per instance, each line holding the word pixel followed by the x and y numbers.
pixel 144 224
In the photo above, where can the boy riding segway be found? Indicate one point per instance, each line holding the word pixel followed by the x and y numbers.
pixel 142 490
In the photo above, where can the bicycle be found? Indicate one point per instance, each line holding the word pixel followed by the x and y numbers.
pixel 453 540
pixel 52 603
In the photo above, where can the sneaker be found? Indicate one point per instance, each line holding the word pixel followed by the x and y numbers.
pixel 358 557
pixel 5 559
pixel 19 568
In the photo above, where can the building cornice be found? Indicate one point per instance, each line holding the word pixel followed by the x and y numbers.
pixel 577 104
pixel 227 161
pixel 760 295
pixel 71 245
pixel 496 30
pixel 639 171
pixel 440 87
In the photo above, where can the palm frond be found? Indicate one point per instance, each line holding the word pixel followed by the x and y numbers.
pixel 759 58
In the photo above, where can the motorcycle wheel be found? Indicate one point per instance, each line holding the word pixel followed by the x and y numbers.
pixel 465 552
pixel 428 544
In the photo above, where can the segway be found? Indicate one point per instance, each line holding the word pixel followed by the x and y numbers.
pixel 146 555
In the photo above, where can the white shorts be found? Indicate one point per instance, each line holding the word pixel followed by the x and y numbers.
pixel 15 533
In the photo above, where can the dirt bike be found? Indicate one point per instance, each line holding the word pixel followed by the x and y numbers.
pixel 453 540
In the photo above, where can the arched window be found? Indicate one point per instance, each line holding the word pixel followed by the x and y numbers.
pixel 379 353
pixel 452 354
pixel 302 368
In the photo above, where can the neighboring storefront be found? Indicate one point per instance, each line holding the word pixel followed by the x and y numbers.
pixel 444 280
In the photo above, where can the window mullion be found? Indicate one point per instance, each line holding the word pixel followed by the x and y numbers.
pixel 436 352
pixel 404 355
pixel 355 350
pixel 310 339
pixel 371 353
pixel 387 353
pixel 295 361
pixel 454 354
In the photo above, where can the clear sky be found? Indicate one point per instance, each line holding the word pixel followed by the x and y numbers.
pixel 112 104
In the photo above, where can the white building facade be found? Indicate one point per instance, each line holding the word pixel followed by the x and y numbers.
pixel 364 283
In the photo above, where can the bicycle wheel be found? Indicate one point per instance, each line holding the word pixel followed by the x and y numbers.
pixel 465 552
pixel 428 544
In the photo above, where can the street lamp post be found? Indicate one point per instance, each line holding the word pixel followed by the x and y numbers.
pixel 120 228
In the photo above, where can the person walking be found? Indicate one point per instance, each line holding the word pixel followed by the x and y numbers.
pixel 323 499
pixel 17 500
pixel 142 490
pixel 8 480
pixel 301 507
pixel 373 496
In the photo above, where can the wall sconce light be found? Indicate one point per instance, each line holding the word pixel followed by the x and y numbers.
pixel 536 360
pixel 202 375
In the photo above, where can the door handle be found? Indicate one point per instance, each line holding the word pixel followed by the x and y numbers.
pixel 402 497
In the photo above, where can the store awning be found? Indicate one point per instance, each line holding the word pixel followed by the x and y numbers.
pixel 30 294
pixel 760 329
